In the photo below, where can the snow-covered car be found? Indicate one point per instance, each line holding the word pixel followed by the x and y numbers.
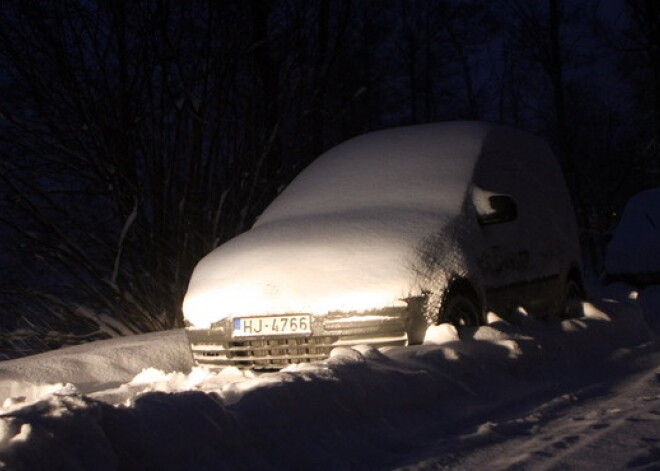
pixel 633 253
pixel 384 235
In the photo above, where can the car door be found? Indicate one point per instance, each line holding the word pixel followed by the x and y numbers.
pixel 504 261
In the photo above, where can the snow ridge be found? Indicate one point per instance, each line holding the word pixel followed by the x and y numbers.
pixel 361 409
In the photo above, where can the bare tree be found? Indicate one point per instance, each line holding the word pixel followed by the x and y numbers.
pixel 441 45
pixel 128 147
pixel 141 134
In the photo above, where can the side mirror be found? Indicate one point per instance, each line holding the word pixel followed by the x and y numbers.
pixel 503 208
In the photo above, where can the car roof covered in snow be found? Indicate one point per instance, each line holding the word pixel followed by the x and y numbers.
pixel 414 167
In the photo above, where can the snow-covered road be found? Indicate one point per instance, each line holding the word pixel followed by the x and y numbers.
pixel 527 394
pixel 612 421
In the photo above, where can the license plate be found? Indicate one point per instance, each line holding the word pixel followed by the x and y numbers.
pixel 272 325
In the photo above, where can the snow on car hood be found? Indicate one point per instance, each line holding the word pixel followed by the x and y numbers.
pixel 344 236
pixel 314 265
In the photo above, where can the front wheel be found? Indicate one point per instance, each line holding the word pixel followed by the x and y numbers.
pixel 572 306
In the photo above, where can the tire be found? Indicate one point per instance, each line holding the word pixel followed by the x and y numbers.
pixel 461 309
pixel 571 306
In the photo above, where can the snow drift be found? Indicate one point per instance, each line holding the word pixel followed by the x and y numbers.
pixel 361 409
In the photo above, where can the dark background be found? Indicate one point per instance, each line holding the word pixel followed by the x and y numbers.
pixel 137 135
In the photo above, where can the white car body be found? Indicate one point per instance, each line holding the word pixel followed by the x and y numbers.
pixel 365 243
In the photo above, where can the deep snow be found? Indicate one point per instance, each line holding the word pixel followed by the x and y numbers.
pixel 530 394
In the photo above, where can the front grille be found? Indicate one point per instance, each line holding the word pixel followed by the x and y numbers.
pixel 216 348
pixel 265 354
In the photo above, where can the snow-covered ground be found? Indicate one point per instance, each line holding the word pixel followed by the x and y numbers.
pixel 582 393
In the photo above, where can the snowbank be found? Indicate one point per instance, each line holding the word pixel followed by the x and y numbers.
pixel 93 366
pixel 362 408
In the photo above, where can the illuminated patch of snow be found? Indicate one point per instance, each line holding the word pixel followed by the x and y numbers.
pixel 23 435
pixel 492 318
pixel 439 334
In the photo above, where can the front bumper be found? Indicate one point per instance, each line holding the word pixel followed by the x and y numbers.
pixel 218 348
